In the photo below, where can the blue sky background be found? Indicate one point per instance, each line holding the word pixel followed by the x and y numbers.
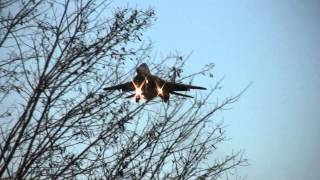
pixel 274 43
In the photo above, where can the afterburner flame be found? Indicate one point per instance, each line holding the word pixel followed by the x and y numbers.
pixel 138 90
pixel 160 90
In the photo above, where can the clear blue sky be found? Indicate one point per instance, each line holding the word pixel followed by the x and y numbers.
pixel 276 44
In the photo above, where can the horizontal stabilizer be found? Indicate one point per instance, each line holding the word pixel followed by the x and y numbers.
pixel 179 94
pixel 130 96
pixel 197 87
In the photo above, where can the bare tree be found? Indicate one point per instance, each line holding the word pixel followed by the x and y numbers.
pixel 57 122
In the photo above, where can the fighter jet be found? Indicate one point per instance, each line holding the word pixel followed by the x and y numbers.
pixel 147 86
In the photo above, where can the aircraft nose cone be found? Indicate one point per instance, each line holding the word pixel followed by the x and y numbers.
pixel 143 69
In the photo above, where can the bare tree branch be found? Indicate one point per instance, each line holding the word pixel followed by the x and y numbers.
pixel 57 122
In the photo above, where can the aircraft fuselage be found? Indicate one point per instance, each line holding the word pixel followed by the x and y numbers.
pixel 151 87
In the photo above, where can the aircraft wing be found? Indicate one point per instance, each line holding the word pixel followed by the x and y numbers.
pixel 171 86
pixel 124 87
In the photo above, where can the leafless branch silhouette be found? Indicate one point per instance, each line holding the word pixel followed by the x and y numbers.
pixel 57 122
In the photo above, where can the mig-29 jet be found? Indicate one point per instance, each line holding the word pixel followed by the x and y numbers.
pixel 148 86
